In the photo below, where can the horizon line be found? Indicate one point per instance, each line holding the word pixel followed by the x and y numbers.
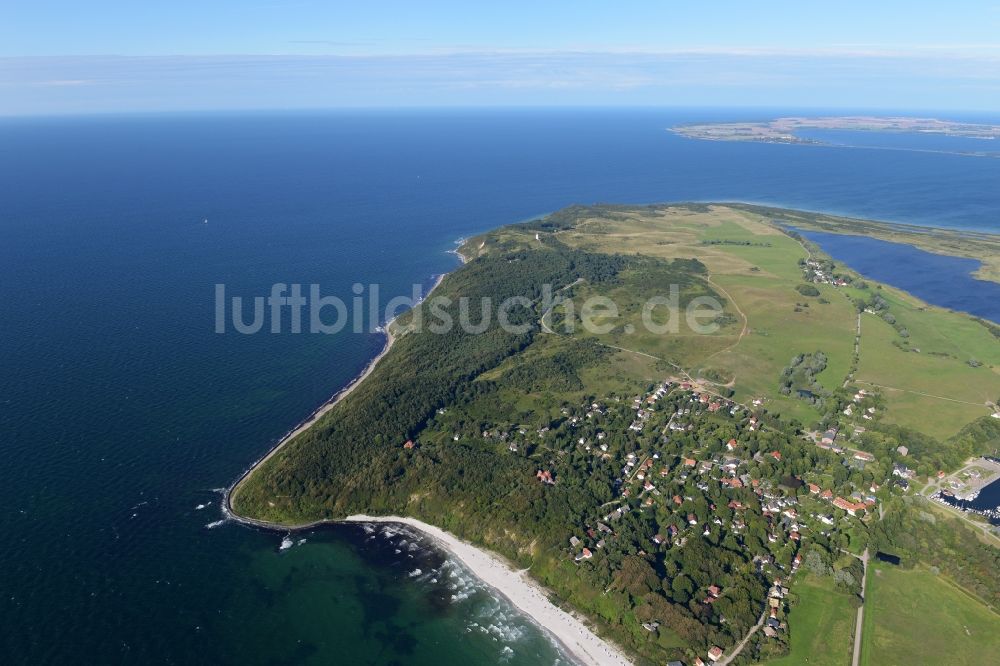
pixel 780 110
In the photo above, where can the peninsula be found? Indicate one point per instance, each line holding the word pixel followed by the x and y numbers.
pixel 783 130
pixel 685 495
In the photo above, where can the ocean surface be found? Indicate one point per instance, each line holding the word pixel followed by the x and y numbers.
pixel 122 412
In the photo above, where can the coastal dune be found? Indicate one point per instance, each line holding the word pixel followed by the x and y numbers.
pixel 579 642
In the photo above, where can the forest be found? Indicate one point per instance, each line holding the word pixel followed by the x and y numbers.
pixel 662 512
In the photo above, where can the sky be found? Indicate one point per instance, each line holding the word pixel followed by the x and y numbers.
pixel 67 56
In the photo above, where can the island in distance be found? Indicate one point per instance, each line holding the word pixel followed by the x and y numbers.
pixel 783 130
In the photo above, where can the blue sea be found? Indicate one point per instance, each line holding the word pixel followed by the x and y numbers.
pixel 122 412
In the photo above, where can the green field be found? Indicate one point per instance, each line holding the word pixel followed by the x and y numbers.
pixel 821 625
pixel 934 389
pixel 925 377
pixel 913 617
pixel 756 280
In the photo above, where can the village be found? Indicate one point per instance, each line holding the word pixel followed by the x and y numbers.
pixel 822 272
pixel 692 465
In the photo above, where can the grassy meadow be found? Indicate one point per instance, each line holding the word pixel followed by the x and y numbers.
pixel 926 379
pixel 821 625
pixel 941 623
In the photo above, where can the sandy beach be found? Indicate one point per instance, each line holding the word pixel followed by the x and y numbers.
pixel 579 642
pixel 575 638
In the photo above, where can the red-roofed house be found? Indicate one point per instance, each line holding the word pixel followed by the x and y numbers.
pixel 848 506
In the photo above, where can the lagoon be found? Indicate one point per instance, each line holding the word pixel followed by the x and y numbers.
pixel 938 279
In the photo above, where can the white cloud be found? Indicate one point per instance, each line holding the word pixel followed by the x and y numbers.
pixel 679 77
pixel 65 82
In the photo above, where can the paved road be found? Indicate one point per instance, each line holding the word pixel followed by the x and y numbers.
pixel 742 644
pixel 861 612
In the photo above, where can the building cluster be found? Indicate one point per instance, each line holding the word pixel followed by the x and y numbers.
pixel 819 272
pixel 673 471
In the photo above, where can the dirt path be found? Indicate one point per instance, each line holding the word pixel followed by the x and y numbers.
pixel 742 334
pixel 926 395
pixel 857 351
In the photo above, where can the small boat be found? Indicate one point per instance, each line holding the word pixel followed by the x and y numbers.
pixel 286 543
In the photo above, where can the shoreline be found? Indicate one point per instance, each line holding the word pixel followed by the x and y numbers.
pixel 570 633
pixel 303 426
pixel 311 420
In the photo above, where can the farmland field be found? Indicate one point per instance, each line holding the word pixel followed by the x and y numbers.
pixel 941 624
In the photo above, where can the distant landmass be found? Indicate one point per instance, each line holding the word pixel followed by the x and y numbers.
pixel 693 496
pixel 783 130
